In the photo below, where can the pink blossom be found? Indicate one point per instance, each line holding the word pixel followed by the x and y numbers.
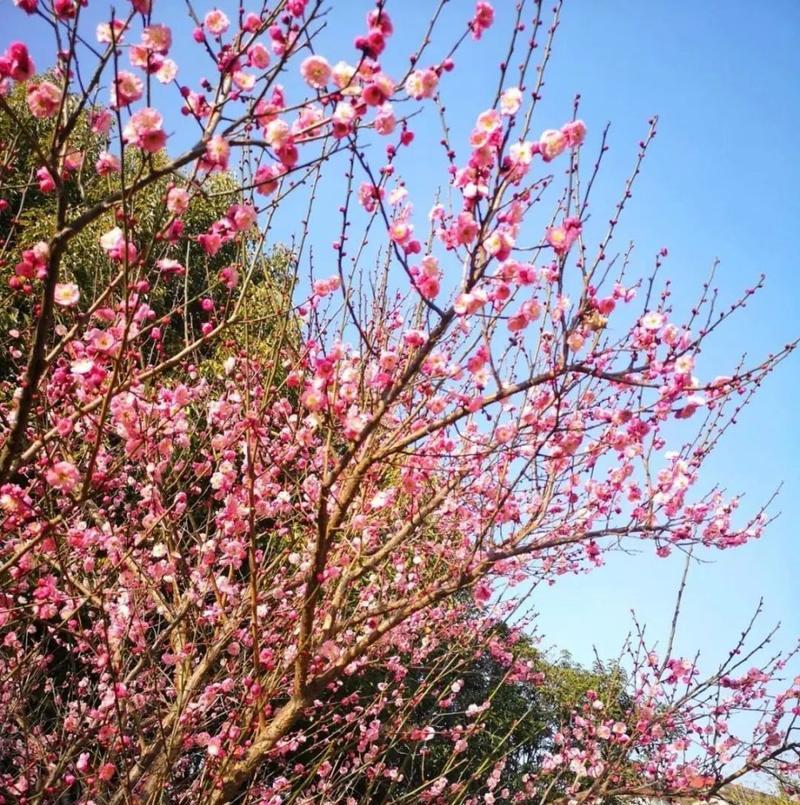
pixel 315 71
pixel 144 130
pixel 115 246
pixel 466 228
pixel 552 143
pixel 468 303
pixel 277 133
pixel 100 121
pixel 258 56
pixel 504 433
pixel 482 19
pixel 103 341
pixel 482 591
pixel 421 84
pixel 43 99
pixel 168 266
pixel 574 132
pixel 216 22
pixel 266 178
pixel 177 200
pixel 342 75
pixel 157 38
pixel 379 18
pixel 313 399
pixel 243 216
pixel 106 164
pixel 384 119
pixel 167 71
pixel 126 88
pixel 325 287
pixel 510 101
pixel 66 294
pixel 46 181
pixel 106 34
pixel 65 9
pixel 217 153
pixel 63 476
pixel 106 772
pixel 16 62
pixel 488 121
pixel 562 237
pixel 654 320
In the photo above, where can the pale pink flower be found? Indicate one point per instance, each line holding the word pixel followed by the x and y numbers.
pixel 488 121
pixel 243 80
pixel 106 34
pixel 342 75
pixel 100 121
pixel 313 399
pixel 385 120
pixel 104 341
pixel 43 99
pixel 106 163
pixel 63 475
pixel 216 22
pixel 551 143
pixel 217 153
pixel 66 294
pixel 327 286
pixel 126 89
pixel 157 38
pixel 167 72
pixel 653 320
pixel 83 366
pixel 277 133
pixel 315 71
pixel 575 132
pixel 510 101
pixel 114 245
pixel 177 200
pixel 421 83
pixel 144 130
pixel 168 266
pixel 504 433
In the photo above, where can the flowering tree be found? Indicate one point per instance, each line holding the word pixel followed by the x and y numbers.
pixel 261 521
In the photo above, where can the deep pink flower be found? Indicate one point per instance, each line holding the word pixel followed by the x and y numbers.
pixel 16 62
pixel 482 19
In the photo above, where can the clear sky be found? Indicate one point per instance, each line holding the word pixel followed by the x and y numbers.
pixel 721 181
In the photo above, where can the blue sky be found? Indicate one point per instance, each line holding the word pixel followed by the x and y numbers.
pixel 721 181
